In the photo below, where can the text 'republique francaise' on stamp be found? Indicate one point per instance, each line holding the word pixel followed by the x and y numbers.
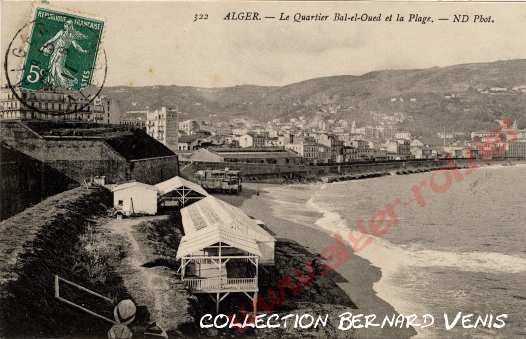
pixel 57 51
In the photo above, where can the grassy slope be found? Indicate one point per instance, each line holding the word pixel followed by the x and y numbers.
pixel 60 235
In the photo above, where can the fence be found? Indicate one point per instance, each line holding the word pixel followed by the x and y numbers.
pixel 221 284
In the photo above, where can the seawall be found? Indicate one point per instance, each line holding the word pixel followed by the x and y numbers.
pixel 287 173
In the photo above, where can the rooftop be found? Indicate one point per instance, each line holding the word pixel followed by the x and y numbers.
pixel 212 220
pixel 130 184
pixel 178 182
pixel 248 149
pixel 131 143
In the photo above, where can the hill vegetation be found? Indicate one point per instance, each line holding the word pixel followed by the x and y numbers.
pixel 461 97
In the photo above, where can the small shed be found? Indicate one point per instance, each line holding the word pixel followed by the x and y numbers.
pixel 135 198
pixel 179 192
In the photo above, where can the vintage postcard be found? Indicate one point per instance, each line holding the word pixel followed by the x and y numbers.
pixel 284 169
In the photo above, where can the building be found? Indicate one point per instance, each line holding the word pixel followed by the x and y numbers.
pixel 178 192
pixel 517 149
pixel 246 140
pixel 53 105
pixel 163 126
pixel 274 142
pixel 134 198
pixel 306 147
pixel 367 131
pixel 417 149
pixel 387 132
pixel 222 249
pixel 80 152
pixel 259 139
pixel 135 119
pixel 189 142
pixel 323 154
pixel 403 135
pixel 134 123
pixel 284 140
pixel 478 136
pixel 400 149
pixel 404 148
pixel 352 153
pixel 256 140
pixel 454 151
pixel 189 126
pixel 428 152
pixel 276 156
pixel 336 149
pixel 493 150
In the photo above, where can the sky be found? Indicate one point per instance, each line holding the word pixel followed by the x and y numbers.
pixel 158 43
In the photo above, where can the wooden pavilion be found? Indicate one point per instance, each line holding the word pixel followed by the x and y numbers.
pixel 179 192
pixel 222 249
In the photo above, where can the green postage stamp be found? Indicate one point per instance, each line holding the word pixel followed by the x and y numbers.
pixel 62 51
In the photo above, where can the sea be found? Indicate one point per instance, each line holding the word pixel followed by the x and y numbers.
pixel 463 251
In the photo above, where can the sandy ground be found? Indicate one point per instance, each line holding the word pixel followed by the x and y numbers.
pixel 356 276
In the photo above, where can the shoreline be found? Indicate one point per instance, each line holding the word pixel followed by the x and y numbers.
pixel 356 277
pixel 323 175
pixel 307 231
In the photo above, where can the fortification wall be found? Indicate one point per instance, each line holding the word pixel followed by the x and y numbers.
pixel 25 140
pixel 25 181
pixel 78 149
pixel 79 170
pixel 154 170
pixel 79 158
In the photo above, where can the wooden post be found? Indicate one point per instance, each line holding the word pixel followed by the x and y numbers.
pixel 133 208
pixel 220 264
pixel 257 271
pixel 255 304
pixel 217 303
pixel 56 286
pixel 255 300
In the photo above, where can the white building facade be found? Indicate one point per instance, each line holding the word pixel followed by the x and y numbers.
pixel 163 125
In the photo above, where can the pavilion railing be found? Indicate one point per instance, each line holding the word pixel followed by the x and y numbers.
pixel 220 284
pixel 214 259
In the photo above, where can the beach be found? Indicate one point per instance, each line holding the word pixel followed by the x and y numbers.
pixel 355 277
pixel 460 252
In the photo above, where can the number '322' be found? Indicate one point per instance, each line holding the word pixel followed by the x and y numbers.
pixel 200 16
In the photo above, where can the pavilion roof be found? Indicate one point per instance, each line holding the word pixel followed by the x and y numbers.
pixel 212 220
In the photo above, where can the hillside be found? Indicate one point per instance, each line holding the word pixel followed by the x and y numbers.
pixel 456 97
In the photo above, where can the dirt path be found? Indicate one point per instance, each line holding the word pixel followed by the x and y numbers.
pixel 149 286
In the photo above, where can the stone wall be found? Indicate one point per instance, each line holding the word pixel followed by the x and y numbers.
pixel 154 170
pixel 82 157
pixel 25 181
pixel 115 171
pixel 46 165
